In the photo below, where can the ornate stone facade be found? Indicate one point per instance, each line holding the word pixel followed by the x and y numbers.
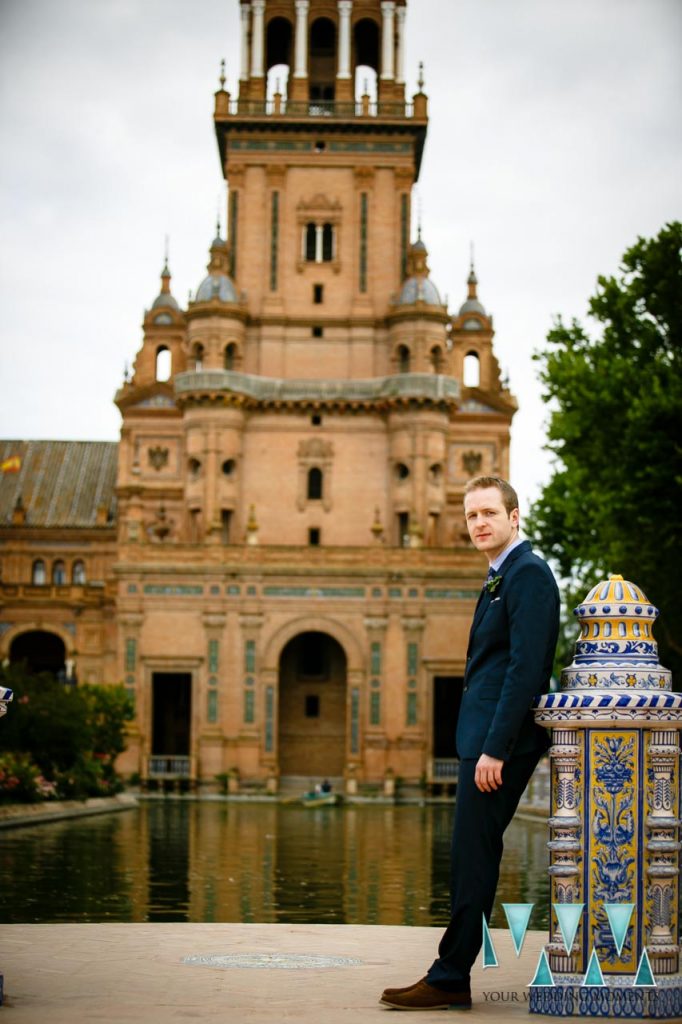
pixel 283 577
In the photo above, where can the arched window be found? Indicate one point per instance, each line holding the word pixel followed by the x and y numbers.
pixel 472 370
pixel 278 55
pixel 163 363
pixel 310 242
pixel 59 573
pixel 198 356
pixel 230 356
pixel 38 573
pixel 403 359
pixel 322 64
pixel 78 573
pixel 436 359
pixel 327 243
pixel 314 484
pixel 366 40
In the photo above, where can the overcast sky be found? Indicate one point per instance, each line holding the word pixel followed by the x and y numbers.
pixel 554 141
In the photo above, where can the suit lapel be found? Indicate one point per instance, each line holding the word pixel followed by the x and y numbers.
pixel 485 597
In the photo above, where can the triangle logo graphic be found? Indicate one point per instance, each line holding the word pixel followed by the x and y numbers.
pixel 645 976
pixel 619 915
pixel 518 916
pixel 594 976
pixel 543 975
pixel 568 916
pixel 489 954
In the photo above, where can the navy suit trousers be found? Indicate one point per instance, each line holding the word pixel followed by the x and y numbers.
pixel 480 822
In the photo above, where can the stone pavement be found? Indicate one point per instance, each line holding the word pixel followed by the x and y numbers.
pixel 124 973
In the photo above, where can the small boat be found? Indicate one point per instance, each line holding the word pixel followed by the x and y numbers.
pixel 320 799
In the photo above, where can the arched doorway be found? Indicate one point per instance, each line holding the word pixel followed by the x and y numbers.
pixel 312 706
pixel 41 651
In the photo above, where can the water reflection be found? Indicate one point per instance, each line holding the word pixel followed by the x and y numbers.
pixel 209 861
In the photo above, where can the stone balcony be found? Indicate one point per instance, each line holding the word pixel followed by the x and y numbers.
pixel 250 390
pixel 315 108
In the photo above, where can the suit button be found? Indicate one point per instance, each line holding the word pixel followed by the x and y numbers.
pixel 465 689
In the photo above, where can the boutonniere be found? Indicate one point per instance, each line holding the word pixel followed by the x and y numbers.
pixel 492 584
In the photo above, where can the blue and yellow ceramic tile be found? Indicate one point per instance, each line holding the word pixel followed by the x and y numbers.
pixel 614 819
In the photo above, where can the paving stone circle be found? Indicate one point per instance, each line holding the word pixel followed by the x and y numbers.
pixel 276 961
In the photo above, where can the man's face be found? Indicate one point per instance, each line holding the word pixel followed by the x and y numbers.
pixel 490 526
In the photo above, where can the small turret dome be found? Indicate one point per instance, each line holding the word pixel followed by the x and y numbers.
pixel 472 304
pixel 418 287
pixel 164 298
pixel 217 285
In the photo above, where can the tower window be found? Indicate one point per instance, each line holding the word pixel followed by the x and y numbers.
pixel 225 525
pixel 59 574
pixel 437 359
pixel 318 294
pixel 38 574
pixel 310 242
pixel 320 146
pixel 312 706
pixel 78 573
pixel 327 243
pixel 318 243
pixel 314 536
pixel 163 363
pixel 403 359
pixel 198 356
pixel 401 471
pixel 403 529
pixel 230 356
pixel 316 419
pixel 228 467
pixel 318 332
pixel 314 484
pixel 472 370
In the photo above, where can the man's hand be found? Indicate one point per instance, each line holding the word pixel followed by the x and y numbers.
pixel 488 773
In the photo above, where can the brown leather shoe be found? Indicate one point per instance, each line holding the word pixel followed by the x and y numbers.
pixel 423 996
pixel 396 991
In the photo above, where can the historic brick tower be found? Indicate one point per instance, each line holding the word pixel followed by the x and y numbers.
pixel 293 581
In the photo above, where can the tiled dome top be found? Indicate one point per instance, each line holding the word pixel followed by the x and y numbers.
pixel 616 647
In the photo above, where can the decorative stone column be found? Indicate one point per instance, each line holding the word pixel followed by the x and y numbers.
pixel 344 85
pixel 298 84
pixel 245 13
pixel 387 42
pixel 615 817
pixel 257 39
pixel 400 48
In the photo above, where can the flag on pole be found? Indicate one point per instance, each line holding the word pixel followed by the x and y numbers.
pixel 11 465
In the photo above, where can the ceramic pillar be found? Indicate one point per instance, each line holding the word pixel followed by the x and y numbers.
pixel 615 816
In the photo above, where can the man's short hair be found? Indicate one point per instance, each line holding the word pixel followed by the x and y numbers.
pixel 510 498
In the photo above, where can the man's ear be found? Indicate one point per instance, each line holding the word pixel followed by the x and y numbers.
pixel 514 517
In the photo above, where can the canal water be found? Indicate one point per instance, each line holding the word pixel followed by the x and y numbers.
pixel 179 860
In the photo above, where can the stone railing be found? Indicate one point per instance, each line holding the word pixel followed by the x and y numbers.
pixel 318 108
pixel 429 386
pixel 171 766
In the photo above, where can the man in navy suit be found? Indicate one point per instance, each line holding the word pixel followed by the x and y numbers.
pixel 509 661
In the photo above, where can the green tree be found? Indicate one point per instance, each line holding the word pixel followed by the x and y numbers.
pixel 614 501
pixel 72 734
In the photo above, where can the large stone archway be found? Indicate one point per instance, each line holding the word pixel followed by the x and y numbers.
pixel 312 706
pixel 40 650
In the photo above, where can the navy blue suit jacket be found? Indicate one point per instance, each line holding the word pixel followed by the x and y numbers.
pixel 509 660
